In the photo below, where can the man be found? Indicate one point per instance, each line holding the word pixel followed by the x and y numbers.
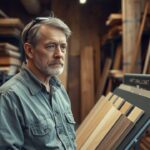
pixel 35 111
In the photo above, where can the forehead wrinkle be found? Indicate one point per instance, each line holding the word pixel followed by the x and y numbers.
pixel 46 33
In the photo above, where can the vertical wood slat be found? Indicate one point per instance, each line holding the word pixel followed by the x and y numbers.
pixel 118 57
pixel 147 60
pixel 87 81
pixel 131 12
pixel 137 44
pixel 116 65
pixel 103 78
pixel 74 86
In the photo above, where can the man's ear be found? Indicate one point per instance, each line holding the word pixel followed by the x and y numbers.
pixel 28 50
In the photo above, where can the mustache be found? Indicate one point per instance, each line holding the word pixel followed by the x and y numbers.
pixel 57 62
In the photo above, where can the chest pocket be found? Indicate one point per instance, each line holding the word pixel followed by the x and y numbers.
pixel 40 129
pixel 70 125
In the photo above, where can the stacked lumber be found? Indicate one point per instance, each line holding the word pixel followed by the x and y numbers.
pixel 10 45
pixel 108 123
pixel 114 22
pixel 10 58
pixel 10 26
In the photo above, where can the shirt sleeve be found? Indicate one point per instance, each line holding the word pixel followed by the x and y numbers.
pixel 11 133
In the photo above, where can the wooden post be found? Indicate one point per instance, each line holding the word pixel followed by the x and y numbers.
pixel 131 12
pixel 139 37
pixel 87 81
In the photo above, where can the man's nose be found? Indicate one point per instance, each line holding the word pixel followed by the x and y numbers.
pixel 58 52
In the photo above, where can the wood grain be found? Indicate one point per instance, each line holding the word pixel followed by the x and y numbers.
pixel 112 139
pixel 103 128
pixel 92 120
pixel 126 108
pixel 113 99
pixel 135 114
pixel 120 130
pixel 119 102
pixel 87 81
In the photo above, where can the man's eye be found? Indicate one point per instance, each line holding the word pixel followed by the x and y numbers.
pixel 63 47
pixel 51 46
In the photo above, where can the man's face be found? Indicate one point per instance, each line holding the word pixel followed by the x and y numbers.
pixel 49 53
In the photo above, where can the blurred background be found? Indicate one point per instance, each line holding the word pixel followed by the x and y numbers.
pixel 109 38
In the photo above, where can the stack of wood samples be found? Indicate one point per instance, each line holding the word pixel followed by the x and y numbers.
pixel 140 98
pixel 109 123
pixel 10 58
pixel 11 26
pixel 10 45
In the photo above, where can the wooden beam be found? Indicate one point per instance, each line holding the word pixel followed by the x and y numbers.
pixel 103 78
pixel 138 41
pixel 147 60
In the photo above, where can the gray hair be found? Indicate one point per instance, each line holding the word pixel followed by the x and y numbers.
pixel 30 33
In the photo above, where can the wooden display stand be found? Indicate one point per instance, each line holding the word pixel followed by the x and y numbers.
pixel 140 98
pixel 117 121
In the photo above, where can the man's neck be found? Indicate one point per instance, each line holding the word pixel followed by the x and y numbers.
pixel 43 79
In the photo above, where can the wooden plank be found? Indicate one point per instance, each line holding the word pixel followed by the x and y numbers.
pixel 118 56
pixel 103 78
pixel 113 136
pixel 103 128
pixel 143 147
pixel 88 118
pixel 138 41
pixel 131 12
pixel 120 130
pixel 74 86
pixel 11 22
pixel 7 60
pixel 145 142
pixel 119 102
pixel 64 76
pixel 94 110
pixel 147 60
pixel 113 99
pixel 5 45
pixel 126 108
pixel 87 81
pixel 92 120
pixel 114 19
pixel 135 114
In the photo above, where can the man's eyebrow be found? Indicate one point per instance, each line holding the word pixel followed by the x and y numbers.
pixel 54 42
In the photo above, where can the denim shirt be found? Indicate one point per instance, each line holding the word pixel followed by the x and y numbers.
pixel 32 118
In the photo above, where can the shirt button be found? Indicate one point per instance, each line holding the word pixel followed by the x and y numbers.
pixel 60 131
pixel 56 112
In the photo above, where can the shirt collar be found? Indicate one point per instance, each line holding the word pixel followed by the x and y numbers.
pixel 33 83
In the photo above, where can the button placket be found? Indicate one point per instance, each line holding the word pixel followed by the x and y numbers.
pixel 60 124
